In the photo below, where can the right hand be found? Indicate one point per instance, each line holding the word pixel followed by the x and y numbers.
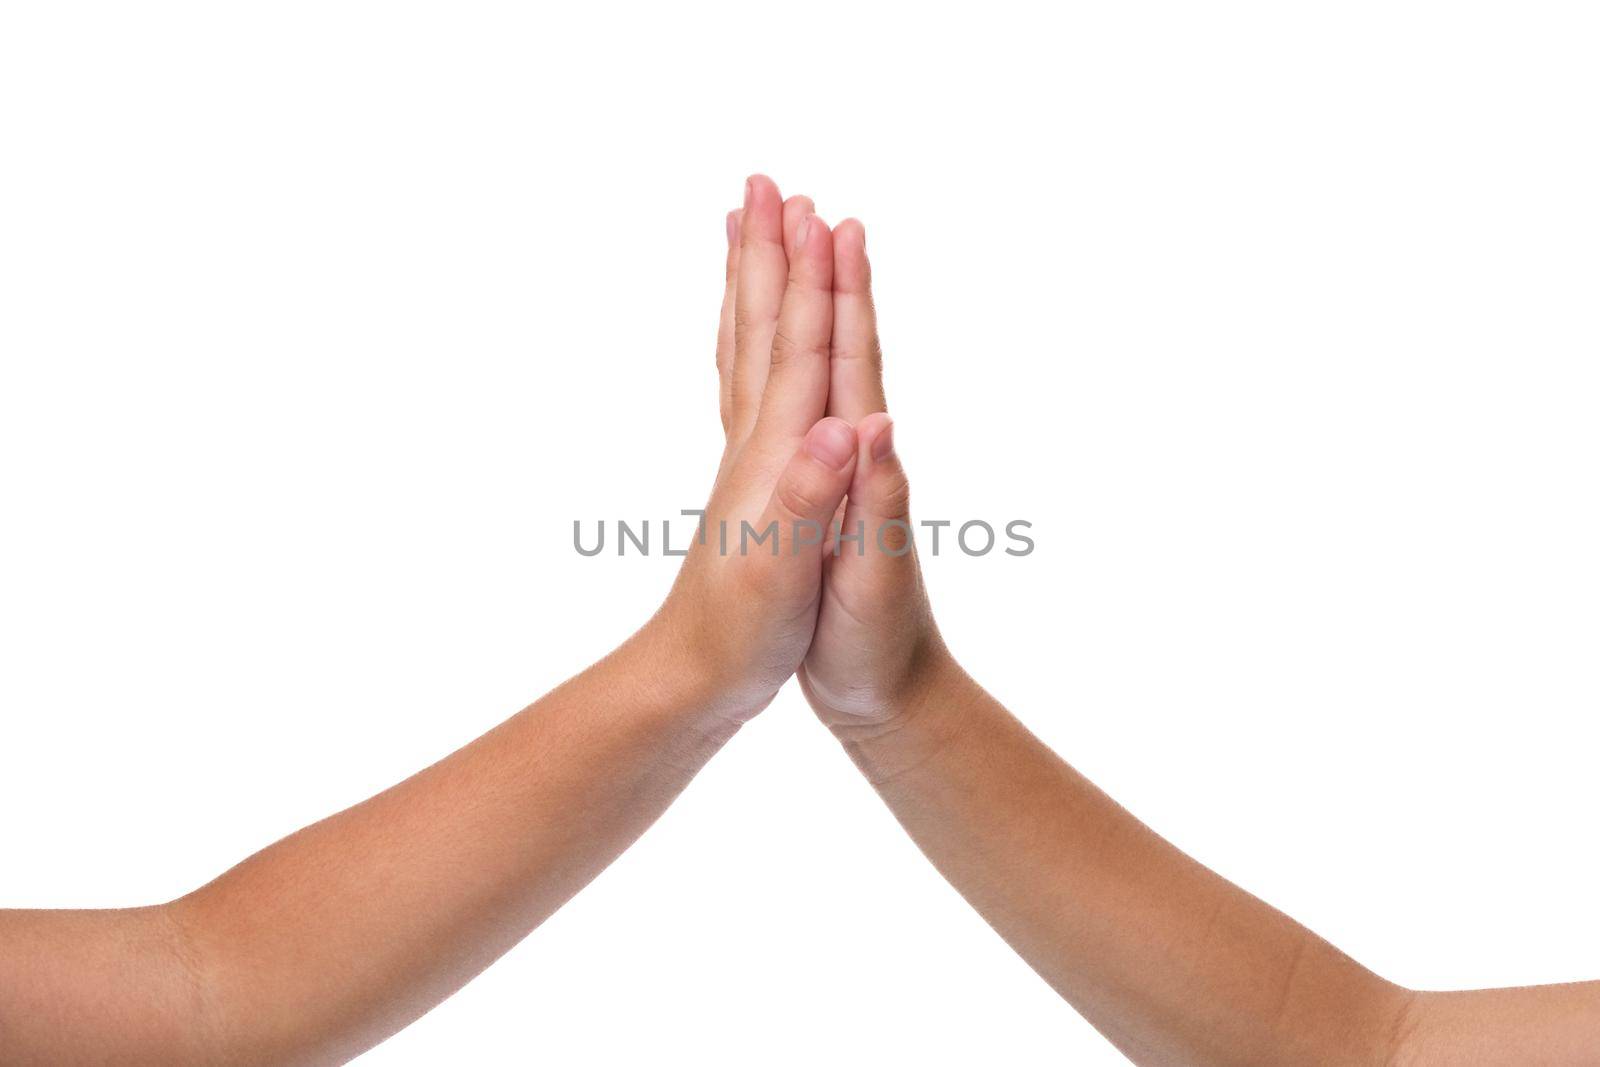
pixel 876 642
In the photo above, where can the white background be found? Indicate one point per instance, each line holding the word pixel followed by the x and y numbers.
pixel 320 323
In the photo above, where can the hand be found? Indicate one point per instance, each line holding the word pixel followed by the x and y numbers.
pixel 876 641
pixel 745 604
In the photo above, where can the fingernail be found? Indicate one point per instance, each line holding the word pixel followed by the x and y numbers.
pixel 749 190
pixel 883 444
pixel 833 442
pixel 803 232
pixel 733 228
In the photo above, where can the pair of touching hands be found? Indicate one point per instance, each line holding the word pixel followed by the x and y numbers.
pixel 322 944
pixel 810 449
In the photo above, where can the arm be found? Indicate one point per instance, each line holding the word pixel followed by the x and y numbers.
pixel 1171 962
pixel 330 940
pixel 1174 964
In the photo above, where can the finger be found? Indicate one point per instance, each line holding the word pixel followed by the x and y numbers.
pixel 877 518
pixel 879 486
pixel 856 368
pixel 725 325
pixel 763 268
pixel 796 395
pixel 810 488
pixel 795 209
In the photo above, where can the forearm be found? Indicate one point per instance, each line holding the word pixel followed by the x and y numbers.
pixel 1171 962
pixel 339 935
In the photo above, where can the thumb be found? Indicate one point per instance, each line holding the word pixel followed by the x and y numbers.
pixel 810 488
pixel 877 520
pixel 879 491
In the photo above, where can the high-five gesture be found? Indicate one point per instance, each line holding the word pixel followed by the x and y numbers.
pixel 324 943
pixel 745 603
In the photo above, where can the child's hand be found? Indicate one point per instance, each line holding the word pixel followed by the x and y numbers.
pixel 876 642
pixel 744 606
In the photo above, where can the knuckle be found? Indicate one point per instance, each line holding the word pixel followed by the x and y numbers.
pixel 894 496
pixel 743 323
pixel 805 278
pixel 872 353
pixel 802 498
pixel 787 349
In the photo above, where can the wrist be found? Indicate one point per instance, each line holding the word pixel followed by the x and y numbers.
pixel 929 712
pixel 658 671
pixel 690 672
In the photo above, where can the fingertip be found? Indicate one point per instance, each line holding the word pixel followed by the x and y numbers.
pixel 832 441
pixel 812 261
pixel 852 235
pixel 733 226
pixel 851 273
pixel 763 209
pixel 876 434
pixel 795 211
pixel 811 235
pixel 879 483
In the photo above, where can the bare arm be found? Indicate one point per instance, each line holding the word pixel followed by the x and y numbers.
pixel 320 946
pixel 328 941
pixel 1174 964
pixel 1170 962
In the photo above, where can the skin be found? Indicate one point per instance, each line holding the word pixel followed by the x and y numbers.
pixel 323 944
pixel 1172 963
